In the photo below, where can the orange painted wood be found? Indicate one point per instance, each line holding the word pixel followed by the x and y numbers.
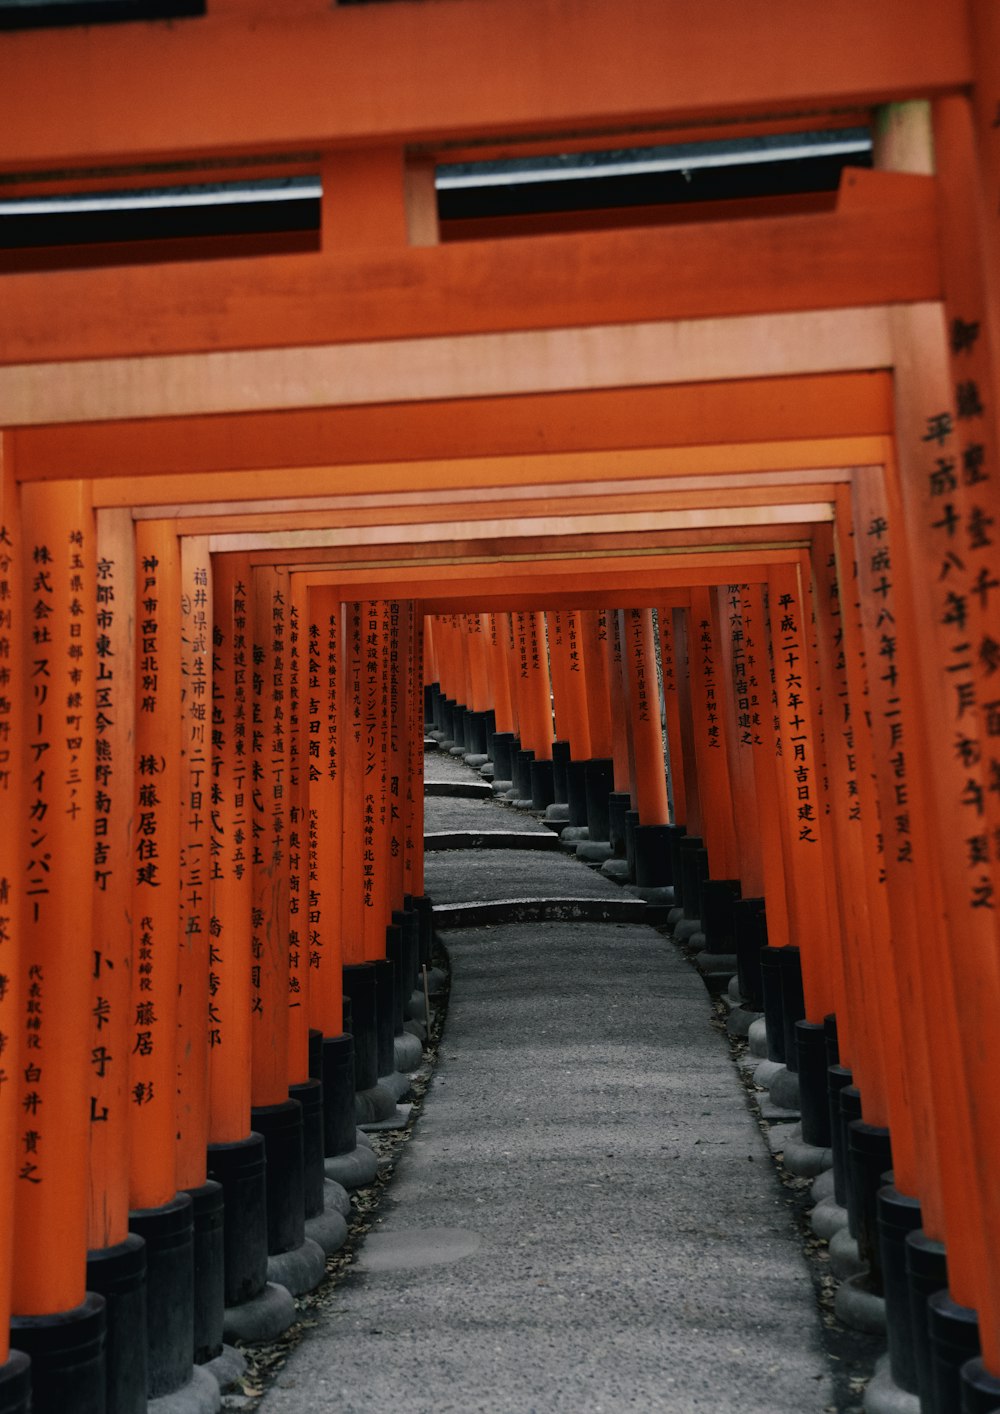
pixel 52 1080
pixel 729 612
pixel 13 701
pixel 398 729
pixel 156 845
pixel 639 670
pixel 856 819
pixel 373 751
pixel 351 755
pixel 594 649
pixel 880 253
pixel 907 988
pixel 827 408
pixel 709 704
pixel 196 798
pixel 327 719
pixel 672 712
pixel 230 960
pixel 855 840
pixel 496 635
pixel 315 69
pixel 480 698
pixel 327 716
pixel 533 685
pixel 301 830
pixel 414 866
pixel 622 753
pixel 802 785
pixel 111 1035
pixel 269 820
pixel 770 811
pixel 958 779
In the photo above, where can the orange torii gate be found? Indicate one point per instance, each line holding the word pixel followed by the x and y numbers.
pixel 586 420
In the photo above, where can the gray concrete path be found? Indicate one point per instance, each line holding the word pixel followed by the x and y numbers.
pixel 586 1218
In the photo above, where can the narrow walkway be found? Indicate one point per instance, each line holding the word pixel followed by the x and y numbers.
pixel 586 1219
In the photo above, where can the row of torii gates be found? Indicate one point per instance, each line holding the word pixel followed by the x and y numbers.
pixel 256 499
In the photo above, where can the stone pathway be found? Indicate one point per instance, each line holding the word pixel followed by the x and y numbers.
pixel 586 1218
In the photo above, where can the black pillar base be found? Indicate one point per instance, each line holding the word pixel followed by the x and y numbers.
pixel 560 761
pixel 118 1273
pixel 281 1129
pixel 600 782
pixel 838 1077
pixel 402 983
pixel 869 1155
pixel 339 1128
pixel 810 1051
pixel 898 1215
pixel 359 987
pixel 501 748
pixel 385 1015
pixel 208 1214
pixel 749 936
pixel 476 724
pixel 631 825
pixel 239 1167
pixel 770 980
pixel 717 899
pixel 66 1351
pixel 652 857
pixel 521 773
pixel 694 870
pixel 850 1110
pixel 980 1389
pixel 168 1232
pixel 926 1273
pixel 15 1385
pixel 542 785
pixel 793 1002
pixel 619 802
pixel 310 1097
pixel 954 1338
pixel 315 1053
pixel 576 793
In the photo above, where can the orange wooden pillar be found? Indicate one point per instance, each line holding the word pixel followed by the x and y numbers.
pixel 710 706
pixel 274 1115
pixel 477 721
pixel 413 867
pixel 162 1214
pixel 739 677
pixel 921 1103
pixel 532 763
pixel 236 1156
pixel 56 1320
pixel 14 1365
pixel 801 786
pixel 117 1258
pixel 591 632
pixel 622 753
pixel 759 716
pixel 652 851
pixel 321 784
pixel 571 710
pixel 671 674
pixel 947 443
pixel 206 1194
pixel 359 763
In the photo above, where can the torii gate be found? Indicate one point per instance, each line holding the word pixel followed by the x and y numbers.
pixel 468 423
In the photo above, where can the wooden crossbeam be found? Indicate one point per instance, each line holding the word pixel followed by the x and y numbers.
pixel 879 246
pixel 281 78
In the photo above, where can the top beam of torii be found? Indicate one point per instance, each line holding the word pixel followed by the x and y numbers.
pixel 256 77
